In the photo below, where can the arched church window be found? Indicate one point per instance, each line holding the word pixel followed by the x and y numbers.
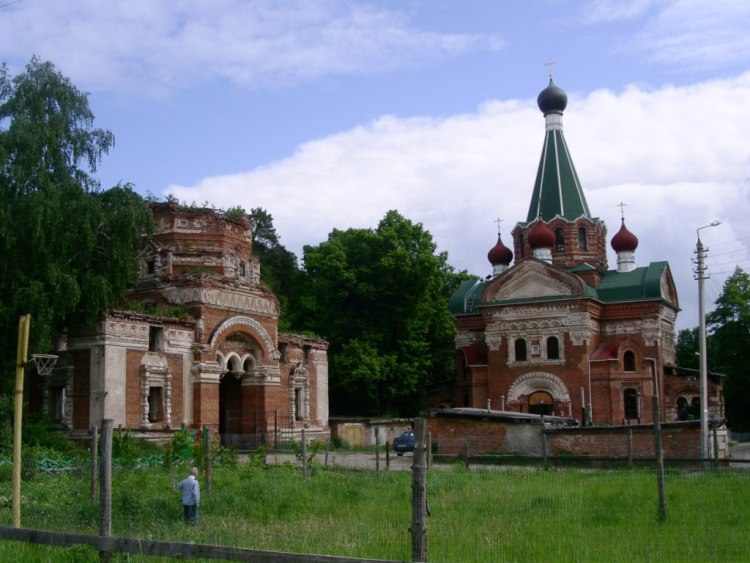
pixel 630 399
pixel 553 348
pixel 520 347
pixel 559 240
pixel 249 364
pixel 628 361
pixel 582 239
pixel 540 402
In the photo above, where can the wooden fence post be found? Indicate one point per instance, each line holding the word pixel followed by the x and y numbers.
pixel 466 454
pixel 303 450
pixel 94 461
pixel 207 455
pixel 328 449
pixel 630 447
pixel 716 446
pixel 419 494
pixel 105 482
pixel 545 448
pixel 659 461
pixel 377 450
pixel 429 450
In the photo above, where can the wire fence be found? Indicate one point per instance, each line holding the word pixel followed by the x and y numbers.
pixel 360 505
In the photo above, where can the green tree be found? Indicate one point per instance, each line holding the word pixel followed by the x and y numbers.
pixel 687 347
pixel 729 324
pixel 279 269
pixel 68 248
pixel 380 297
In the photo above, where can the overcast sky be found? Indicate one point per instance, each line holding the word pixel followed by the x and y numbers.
pixel 328 113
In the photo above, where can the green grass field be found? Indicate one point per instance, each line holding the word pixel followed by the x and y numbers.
pixel 475 515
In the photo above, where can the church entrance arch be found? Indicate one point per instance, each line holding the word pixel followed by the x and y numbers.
pixel 539 393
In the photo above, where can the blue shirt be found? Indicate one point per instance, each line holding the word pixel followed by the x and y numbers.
pixel 191 490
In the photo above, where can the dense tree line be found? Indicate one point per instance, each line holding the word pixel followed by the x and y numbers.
pixel 67 246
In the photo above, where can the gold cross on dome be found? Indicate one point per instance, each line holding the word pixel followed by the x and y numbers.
pixel 498 221
pixel 622 205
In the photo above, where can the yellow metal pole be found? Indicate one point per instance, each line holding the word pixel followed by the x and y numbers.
pixel 23 347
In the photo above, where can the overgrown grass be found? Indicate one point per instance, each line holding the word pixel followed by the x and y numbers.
pixel 476 515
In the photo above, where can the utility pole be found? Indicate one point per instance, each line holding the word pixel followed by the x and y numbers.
pixel 700 272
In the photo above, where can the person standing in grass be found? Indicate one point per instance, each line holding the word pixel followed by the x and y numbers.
pixel 191 496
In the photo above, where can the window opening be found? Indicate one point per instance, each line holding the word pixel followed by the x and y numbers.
pixel 155 404
pixel 283 353
pixel 520 346
pixel 683 410
pixel 298 405
pixel 559 240
pixel 306 354
pixel 553 348
pixel 582 245
pixel 155 339
pixel 151 266
pixel 628 361
pixel 630 399
pixel 58 404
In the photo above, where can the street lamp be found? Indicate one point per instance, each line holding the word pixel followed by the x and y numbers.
pixel 700 271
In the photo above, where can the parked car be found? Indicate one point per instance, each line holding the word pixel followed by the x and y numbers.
pixel 404 443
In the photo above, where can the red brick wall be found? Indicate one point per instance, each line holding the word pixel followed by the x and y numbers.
pixel 679 440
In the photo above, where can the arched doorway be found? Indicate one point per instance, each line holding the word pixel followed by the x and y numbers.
pixel 541 402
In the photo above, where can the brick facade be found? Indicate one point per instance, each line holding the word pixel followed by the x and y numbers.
pixel 204 349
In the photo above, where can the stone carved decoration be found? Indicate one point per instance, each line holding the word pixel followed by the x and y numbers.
pixel 156 373
pixel 493 341
pixel 252 325
pixel 538 381
pixel 533 282
pixel 299 379
pixel 238 300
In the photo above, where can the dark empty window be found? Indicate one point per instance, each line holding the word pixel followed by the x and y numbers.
pixel 155 404
pixel 630 398
pixel 283 353
pixel 306 354
pixel 520 350
pixel 559 240
pixel 695 408
pixel 151 266
pixel 628 361
pixel 683 411
pixel 582 239
pixel 553 348
pixel 155 339
pixel 242 269
pixel 57 395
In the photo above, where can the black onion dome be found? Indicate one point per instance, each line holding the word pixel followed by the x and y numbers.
pixel 552 99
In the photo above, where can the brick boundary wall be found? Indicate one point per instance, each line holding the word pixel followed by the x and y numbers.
pixel 485 434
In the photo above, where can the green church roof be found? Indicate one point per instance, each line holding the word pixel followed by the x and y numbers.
pixel 557 189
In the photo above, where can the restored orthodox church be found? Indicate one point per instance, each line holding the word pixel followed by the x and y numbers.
pixel 202 349
pixel 556 332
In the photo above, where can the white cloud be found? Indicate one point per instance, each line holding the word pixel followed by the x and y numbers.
pixel 157 45
pixel 598 11
pixel 696 34
pixel 677 156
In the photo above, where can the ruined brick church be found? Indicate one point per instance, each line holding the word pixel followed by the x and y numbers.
pixel 559 333
pixel 204 348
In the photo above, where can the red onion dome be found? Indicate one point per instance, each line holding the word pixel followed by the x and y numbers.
pixel 541 236
pixel 500 254
pixel 624 240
